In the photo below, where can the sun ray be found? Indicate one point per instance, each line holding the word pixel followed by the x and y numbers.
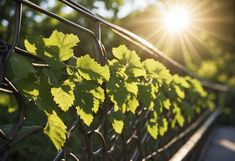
pixel 221 19
pixel 160 42
pixel 214 34
pixel 198 40
pixel 160 29
pixel 192 49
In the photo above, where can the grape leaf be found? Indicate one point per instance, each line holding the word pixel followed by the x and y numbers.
pixel 117 121
pixel 21 67
pixel 132 104
pixel 155 69
pixel 63 95
pixel 147 94
pixel 64 42
pixel 56 130
pixel 180 93
pixel 167 104
pixel 44 98
pixel 178 117
pixel 198 87
pixel 86 117
pixel 9 102
pixel 152 126
pixel 130 60
pixel 89 96
pixel 163 126
pixel 98 96
pixel 153 130
pixel 49 54
pixel 180 81
pixel 117 92
pixel 131 87
pixel 188 110
pixel 89 69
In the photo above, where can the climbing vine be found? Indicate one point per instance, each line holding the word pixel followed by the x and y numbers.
pixel 126 81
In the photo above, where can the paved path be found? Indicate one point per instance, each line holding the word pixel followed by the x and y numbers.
pixel 222 145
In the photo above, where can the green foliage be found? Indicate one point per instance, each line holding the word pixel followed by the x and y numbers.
pixel 8 102
pixel 122 88
pixel 83 84
pixel 56 130
pixel 152 126
pixel 21 67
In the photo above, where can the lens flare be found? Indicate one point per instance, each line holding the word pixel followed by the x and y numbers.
pixel 176 19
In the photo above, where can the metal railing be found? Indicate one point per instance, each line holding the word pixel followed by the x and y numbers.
pixel 133 145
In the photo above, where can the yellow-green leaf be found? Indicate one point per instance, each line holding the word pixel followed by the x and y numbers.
pixel 64 42
pixel 56 130
pixel 87 118
pixel 132 104
pixel 163 127
pixel 167 104
pixel 118 126
pixel 117 121
pixel 89 69
pixel 64 96
pixel 179 92
pixel 31 48
pixel 153 130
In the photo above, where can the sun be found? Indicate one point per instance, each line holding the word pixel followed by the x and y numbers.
pixel 176 19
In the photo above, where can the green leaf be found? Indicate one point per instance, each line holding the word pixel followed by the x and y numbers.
pixel 118 126
pixel 132 104
pixel 44 99
pixel 64 96
pixel 21 66
pixel 158 102
pixel 180 93
pixel 49 54
pixel 117 120
pixel 125 55
pixel 147 94
pixel 56 130
pixel 89 69
pixel 163 127
pixel 9 102
pixel 188 109
pixel 153 130
pixel 155 69
pixel 64 42
pixel 117 92
pixel 89 96
pixel 98 96
pixel 4 99
pixel 198 87
pixel 72 70
pixel 180 81
pixel 31 48
pixel 178 116
pixel 131 87
pixel 153 66
pixel 130 60
pixel 35 45
pixel 152 126
pixel 167 104
pixel 55 70
pixel 86 117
